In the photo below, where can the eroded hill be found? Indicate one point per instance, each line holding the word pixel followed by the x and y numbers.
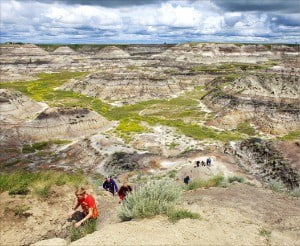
pixel 141 112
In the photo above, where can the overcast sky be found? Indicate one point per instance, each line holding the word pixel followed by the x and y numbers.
pixel 149 21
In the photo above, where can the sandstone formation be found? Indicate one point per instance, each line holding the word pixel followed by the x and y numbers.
pixel 212 53
pixel 15 107
pixel 64 50
pixel 112 52
pixel 265 162
pixel 269 101
pixel 63 123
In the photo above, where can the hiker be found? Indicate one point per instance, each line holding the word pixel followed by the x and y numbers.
pixel 88 205
pixel 186 180
pixel 110 185
pixel 203 163
pixel 197 163
pixel 208 161
pixel 124 190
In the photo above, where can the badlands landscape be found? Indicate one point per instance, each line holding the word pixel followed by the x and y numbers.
pixel 142 113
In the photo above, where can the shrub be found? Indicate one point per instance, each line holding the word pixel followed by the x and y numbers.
pixel 21 190
pixel 295 192
pixel 87 228
pixel 178 214
pixel 156 197
pixel 265 233
pixel 21 211
pixel 215 181
pixel 277 186
pixel 42 189
pixel 236 179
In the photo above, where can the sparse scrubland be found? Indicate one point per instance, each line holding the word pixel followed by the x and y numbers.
pixel 162 109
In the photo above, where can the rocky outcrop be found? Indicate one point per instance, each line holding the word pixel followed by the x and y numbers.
pixel 271 102
pixel 214 53
pixel 261 159
pixel 63 123
pixel 21 50
pixel 15 107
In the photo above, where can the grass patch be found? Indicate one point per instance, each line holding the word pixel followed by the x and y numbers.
pixel 293 135
pixel 156 197
pixel 215 181
pixel 172 174
pixel 181 112
pixel 20 183
pixel 246 128
pixel 236 179
pixel 179 214
pixel 30 148
pixel 87 228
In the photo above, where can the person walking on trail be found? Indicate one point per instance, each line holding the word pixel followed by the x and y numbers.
pixel 88 205
pixel 186 180
pixel 197 163
pixel 110 185
pixel 208 161
pixel 124 190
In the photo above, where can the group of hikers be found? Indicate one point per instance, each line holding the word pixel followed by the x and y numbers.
pixel 88 203
pixel 207 163
pixel 187 178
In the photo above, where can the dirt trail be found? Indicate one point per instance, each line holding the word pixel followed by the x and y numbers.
pixel 238 215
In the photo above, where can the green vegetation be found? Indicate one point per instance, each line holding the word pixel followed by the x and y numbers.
pixel 246 128
pixel 87 228
pixel 277 186
pixel 21 183
pixel 236 179
pixel 215 181
pixel 181 113
pixel 295 192
pixel 179 214
pixel 172 174
pixel 30 148
pixel 293 135
pixel 19 211
pixel 156 197
pixel 264 232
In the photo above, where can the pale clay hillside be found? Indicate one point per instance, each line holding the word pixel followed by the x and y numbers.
pixel 145 114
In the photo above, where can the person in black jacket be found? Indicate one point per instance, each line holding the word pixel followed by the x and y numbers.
pixel 110 185
pixel 186 180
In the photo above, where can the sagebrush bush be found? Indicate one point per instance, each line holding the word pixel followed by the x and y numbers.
pixel 215 181
pixel 295 192
pixel 236 178
pixel 277 186
pixel 155 197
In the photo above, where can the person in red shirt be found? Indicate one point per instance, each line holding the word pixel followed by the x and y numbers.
pixel 88 205
pixel 124 190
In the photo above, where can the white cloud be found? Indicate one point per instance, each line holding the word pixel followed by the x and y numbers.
pixel 172 21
